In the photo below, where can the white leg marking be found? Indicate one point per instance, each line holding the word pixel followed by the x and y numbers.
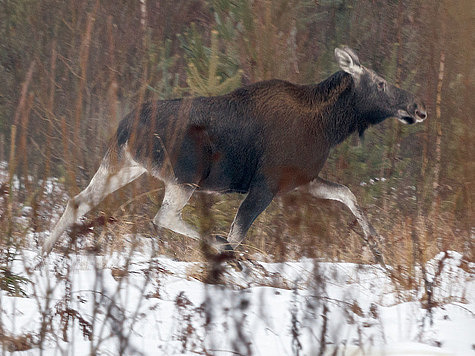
pixel 328 190
pixel 235 236
pixel 169 215
pixel 102 184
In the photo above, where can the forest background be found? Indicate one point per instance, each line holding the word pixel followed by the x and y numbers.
pixel 70 70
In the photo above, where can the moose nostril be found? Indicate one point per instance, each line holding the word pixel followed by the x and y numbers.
pixel 421 114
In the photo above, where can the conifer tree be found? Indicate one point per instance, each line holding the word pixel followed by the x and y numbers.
pixel 204 76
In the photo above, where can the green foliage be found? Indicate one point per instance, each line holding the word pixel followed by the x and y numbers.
pixel 207 74
pixel 232 17
pixel 162 63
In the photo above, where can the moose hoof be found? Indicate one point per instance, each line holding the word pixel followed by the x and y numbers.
pixel 223 245
pixel 226 250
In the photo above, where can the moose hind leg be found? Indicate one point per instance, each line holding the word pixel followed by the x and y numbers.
pixel 169 215
pixel 102 184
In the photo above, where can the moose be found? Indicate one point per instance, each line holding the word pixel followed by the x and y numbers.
pixel 261 140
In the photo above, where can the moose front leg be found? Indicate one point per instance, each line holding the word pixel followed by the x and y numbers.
pixel 258 198
pixel 324 189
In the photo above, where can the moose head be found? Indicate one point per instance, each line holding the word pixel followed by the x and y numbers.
pixel 376 99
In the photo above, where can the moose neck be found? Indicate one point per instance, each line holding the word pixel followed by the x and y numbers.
pixel 334 101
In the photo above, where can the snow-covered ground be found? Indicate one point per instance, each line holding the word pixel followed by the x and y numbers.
pixel 133 304
pixel 143 303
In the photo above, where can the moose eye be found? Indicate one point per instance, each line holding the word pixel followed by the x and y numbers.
pixel 381 85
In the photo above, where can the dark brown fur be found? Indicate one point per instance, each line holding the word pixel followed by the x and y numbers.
pixel 277 130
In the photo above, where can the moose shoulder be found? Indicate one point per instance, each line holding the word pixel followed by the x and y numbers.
pixel 260 140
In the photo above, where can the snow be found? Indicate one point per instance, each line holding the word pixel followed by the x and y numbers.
pixel 140 303
pixel 162 307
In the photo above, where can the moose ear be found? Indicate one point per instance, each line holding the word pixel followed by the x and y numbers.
pixel 348 61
